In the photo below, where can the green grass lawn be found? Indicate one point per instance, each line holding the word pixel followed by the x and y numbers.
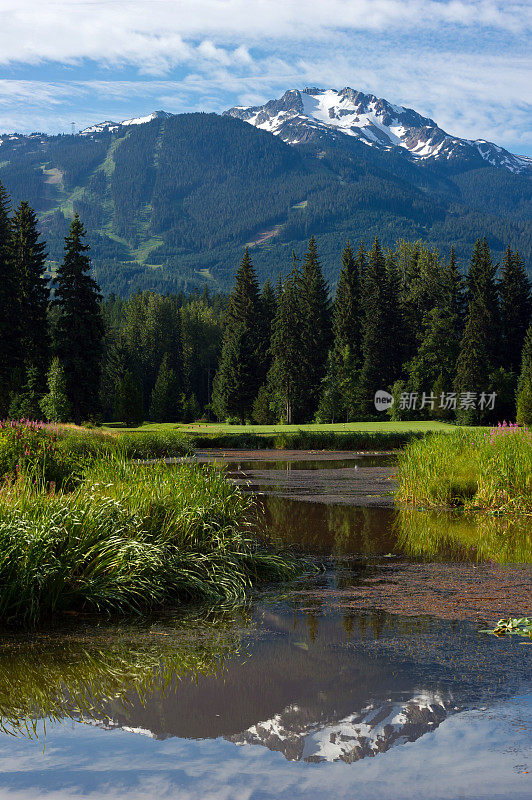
pixel 339 427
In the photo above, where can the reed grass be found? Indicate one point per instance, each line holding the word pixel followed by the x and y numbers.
pixel 129 539
pixel 470 469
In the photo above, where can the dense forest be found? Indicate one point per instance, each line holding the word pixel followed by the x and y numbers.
pixel 405 323
pixel 171 204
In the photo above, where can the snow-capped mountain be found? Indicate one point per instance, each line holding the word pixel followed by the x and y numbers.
pixel 372 730
pixel 299 736
pixel 305 116
pixel 109 125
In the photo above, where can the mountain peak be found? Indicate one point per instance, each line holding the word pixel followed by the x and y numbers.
pixel 312 113
pixel 111 126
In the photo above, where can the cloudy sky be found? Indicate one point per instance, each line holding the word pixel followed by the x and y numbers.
pixel 466 63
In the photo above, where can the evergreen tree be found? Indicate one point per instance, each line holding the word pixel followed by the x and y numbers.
pixel 241 370
pixel 524 389
pixel 29 258
pixel 514 288
pixel 79 330
pixel 25 404
pixel 379 309
pixel 482 286
pixel 54 404
pixel 339 387
pixel 472 367
pixel 165 405
pixel 288 377
pixel 346 310
pixel 314 327
pixel 10 346
pixel 129 401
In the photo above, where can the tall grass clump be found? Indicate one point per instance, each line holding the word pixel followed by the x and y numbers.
pixel 58 455
pixel 129 538
pixel 472 469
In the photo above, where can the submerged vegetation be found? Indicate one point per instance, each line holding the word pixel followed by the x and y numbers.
pixel 470 469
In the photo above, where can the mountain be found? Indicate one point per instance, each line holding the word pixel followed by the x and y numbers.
pixel 312 114
pixel 170 201
pixel 109 126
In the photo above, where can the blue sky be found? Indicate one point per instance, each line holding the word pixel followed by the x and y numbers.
pixel 466 63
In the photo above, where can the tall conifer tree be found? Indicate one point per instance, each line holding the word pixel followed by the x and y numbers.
pixel 241 370
pixel 378 344
pixel 482 286
pixel 29 257
pixel 288 376
pixel 315 326
pixel 79 328
pixel 10 348
pixel 514 288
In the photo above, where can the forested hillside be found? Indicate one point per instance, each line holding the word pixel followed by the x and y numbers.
pixel 169 204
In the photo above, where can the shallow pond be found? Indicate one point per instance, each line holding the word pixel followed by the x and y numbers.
pixel 370 678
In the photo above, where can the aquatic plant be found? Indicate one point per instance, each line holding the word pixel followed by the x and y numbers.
pixel 470 469
pixel 520 626
pixel 130 538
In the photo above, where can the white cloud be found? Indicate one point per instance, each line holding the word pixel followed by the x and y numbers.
pixel 156 34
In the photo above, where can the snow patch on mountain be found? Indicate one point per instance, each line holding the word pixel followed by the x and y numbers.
pixel 301 116
pixel 111 126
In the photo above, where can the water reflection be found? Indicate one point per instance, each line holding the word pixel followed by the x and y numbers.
pixel 370 533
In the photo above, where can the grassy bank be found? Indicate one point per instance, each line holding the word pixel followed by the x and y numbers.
pixel 127 539
pixel 471 469
pixel 340 436
pixel 60 454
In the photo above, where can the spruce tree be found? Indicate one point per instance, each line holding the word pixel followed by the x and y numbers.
pixel 288 375
pixel 514 288
pixel 128 407
pixel 379 308
pixel 241 371
pixel 482 286
pixel 338 398
pixel 29 258
pixel 79 328
pixel 54 404
pixel 315 327
pixel 473 363
pixel 10 346
pixel 165 405
pixel 524 388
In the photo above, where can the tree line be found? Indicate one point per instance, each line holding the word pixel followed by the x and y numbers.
pixel 405 321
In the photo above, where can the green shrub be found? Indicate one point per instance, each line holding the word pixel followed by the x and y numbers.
pixel 130 538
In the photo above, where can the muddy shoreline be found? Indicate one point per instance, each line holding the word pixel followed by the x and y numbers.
pixel 357 484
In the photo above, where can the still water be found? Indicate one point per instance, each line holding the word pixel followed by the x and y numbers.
pixel 369 679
